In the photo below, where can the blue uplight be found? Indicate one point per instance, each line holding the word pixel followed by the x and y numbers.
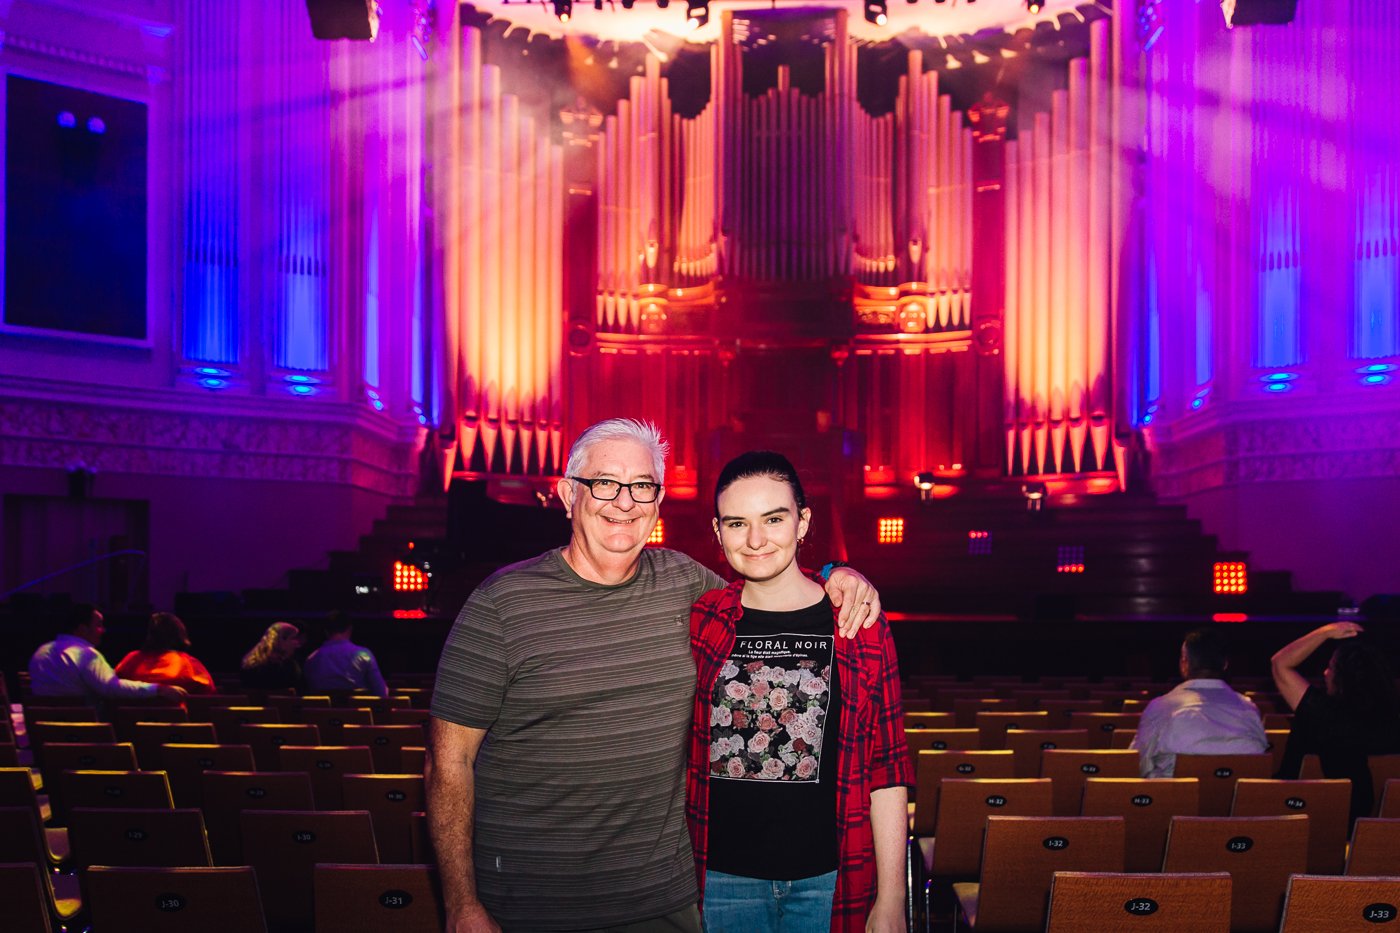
pixel 302 380
pixel 1278 387
pixel 1378 368
pixel 96 126
pixel 378 405
pixel 1375 379
pixel 209 382
pixel 1197 403
pixel 66 119
pixel 303 390
pixel 1278 377
pixel 210 371
pixel 1147 419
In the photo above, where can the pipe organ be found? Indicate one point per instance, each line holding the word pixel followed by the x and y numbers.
pixel 780 234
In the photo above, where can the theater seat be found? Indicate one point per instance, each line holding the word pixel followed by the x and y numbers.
pixel 1149 903
pixel 174 900
pixel 375 898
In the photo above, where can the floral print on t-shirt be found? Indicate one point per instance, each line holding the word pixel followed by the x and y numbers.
pixel 766 715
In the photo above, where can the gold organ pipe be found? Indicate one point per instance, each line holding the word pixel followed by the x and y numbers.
pixel 492 215
pixel 471 252
pixel 556 299
pixel 1043 332
pixel 1011 322
pixel 965 186
pixel 1059 269
pixel 1099 277
pixel 508 313
pixel 1026 290
pixel 1077 248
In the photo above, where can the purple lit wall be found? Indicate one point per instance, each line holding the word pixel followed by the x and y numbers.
pixel 1269 292
pixel 268 417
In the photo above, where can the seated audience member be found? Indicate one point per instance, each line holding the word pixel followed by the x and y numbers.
pixel 1202 715
pixel 1354 715
pixel 71 665
pixel 340 664
pixel 272 663
pixel 163 659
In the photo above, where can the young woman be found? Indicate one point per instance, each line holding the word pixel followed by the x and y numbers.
pixel 799 773
pixel 272 663
pixel 1355 714
pixel 165 658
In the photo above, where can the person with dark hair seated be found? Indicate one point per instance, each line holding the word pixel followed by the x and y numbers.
pixel 340 664
pixel 271 664
pixel 71 665
pixel 1355 714
pixel 164 658
pixel 1202 715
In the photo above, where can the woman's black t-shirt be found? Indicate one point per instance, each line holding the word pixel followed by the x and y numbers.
pixel 774 717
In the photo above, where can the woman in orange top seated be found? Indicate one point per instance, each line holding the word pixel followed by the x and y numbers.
pixel 163 658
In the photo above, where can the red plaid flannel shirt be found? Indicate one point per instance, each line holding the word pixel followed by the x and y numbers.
pixel 870 749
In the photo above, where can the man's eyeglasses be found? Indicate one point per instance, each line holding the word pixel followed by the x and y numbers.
pixel 609 489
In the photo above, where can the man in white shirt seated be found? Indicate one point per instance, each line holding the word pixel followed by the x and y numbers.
pixel 340 664
pixel 71 665
pixel 1202 716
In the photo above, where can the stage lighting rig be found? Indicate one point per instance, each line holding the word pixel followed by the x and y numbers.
pixel 563 9
pixel 697 13
pixel 876 12
pixel 1035 6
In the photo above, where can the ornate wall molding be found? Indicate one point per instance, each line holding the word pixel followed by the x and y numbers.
pixel 336 448
pixel 1328 446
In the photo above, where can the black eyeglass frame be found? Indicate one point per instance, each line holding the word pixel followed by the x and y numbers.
pixel 592 491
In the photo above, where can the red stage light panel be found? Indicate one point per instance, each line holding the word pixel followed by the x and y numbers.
pixel 1231 577
pixel 979 543
pixel 890 531
pixel 1069 558
pixel 408 578
pixel 658 534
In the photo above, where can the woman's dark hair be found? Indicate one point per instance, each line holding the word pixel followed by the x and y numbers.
pixel 1364 681
pixel 166 633
pixel 764 463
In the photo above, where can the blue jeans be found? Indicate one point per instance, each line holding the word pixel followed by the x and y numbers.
pixel 735 904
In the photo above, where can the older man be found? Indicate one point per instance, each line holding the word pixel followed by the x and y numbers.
pixel 556 777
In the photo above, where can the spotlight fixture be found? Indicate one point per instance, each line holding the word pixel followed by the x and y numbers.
pixel 876 12
pixel 924 481
pixel 1035 495
pixel 627 4
pixel 662 4
pixel 697 13
pixel 1035 5
pixel 563 9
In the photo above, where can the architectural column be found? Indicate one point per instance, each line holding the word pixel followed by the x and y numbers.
pixel 983 441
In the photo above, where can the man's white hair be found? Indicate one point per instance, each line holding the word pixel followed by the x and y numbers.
pixel 620 429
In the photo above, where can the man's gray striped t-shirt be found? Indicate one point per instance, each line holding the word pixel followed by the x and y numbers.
pixel 586 693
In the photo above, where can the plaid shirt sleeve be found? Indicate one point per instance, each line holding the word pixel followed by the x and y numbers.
pixel 872 754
